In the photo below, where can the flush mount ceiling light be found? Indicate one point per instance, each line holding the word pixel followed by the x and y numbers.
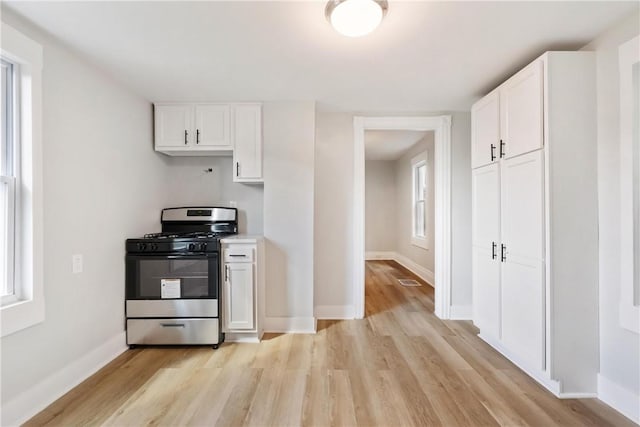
pixel 355 18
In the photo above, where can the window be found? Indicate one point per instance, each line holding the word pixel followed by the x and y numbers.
pixel 419 217
pixel 7 185
pixel 21 278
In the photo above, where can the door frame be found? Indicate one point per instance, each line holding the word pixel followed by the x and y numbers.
pixel 441 126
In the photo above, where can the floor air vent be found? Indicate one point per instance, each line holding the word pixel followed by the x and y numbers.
pixel 408 282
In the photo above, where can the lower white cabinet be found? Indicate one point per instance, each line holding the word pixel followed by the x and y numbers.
pixel 239 293
pixel 242 289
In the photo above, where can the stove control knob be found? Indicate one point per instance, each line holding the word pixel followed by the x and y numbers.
pixel 203 247
pixel 142 246
pixel 191 247
pixel 153 247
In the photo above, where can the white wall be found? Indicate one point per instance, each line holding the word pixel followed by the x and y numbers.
pixel 289 134
pixel 188 185
pixel 619 348
pixel 102 183
pixel 404 203
pixel 333 269
pixel 380 206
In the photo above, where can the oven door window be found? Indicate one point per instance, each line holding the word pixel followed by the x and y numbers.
pixel 171 277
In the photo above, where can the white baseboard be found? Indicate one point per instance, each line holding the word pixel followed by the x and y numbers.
pixel 292 325
pixel 540 376
pixel 27 404
pixel 577 395
pixel 461 312
pixel 420 271
pixel 335 312
pixel 619 398
pixel 379 255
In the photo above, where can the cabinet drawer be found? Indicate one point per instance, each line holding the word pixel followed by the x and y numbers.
pixel 239 253
pixel 173 331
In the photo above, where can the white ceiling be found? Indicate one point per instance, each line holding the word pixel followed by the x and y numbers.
pixel 426 56
pixel 389 144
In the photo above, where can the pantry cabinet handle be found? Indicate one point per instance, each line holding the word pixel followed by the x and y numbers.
pixel 494 246
pixel 493 152
pixel 172 325
pixel 502 153
pixel 186 134
pixel 197 136
pixel 503 253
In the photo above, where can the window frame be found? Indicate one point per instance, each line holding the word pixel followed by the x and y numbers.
pixel 417 162
pixel 11 178
pixel 27 308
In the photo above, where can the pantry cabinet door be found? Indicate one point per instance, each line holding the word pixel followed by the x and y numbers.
pixel 521 102
pixel 173 125
pixel 485 130
pixel 486 240
pixel 522 266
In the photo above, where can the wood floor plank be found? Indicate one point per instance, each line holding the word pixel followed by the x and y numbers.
pixel 399 366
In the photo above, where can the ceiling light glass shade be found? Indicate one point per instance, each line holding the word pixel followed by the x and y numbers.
pixel 355 18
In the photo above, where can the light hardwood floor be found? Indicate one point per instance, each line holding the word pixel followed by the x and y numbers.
pixel 400 366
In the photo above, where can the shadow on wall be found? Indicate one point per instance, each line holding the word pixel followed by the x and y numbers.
pixel 278 298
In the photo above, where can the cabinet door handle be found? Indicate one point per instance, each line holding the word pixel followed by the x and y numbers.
pixel 503 253
pixel 237 168
pixel 186 134
pixel 493 152
pixel 197 136
pixel 494 246
pixel 226 273
pixel 502 153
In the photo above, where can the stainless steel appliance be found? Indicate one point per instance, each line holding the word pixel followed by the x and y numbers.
pixel 172 283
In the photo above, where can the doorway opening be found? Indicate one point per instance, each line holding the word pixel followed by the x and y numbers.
pixel 441 128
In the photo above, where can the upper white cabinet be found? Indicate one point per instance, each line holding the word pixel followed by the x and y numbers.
pixel 485 130
pixel 521 112
pixel 535 225
pixel 192 129
pixel 247 155
pixel 508 121
pixel 208 129
pixel 212 126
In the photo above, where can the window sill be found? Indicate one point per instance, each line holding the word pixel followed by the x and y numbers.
pixel 21 315
pixel 420 242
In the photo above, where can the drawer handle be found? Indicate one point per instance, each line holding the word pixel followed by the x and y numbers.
pixel 236 256
pixel 172 325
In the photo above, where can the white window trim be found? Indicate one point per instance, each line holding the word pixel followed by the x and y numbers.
pixel 421 242
pixel 30 309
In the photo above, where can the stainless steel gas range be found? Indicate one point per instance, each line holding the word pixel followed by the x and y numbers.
pixel 172 283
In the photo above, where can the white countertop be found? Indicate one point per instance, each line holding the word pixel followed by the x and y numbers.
pixel 242 238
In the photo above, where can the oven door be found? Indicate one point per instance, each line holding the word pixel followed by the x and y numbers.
pixel 172 277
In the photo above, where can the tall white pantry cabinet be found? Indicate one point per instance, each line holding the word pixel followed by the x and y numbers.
pixel 535 224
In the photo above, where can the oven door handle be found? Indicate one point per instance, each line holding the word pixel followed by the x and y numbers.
pixel 172 325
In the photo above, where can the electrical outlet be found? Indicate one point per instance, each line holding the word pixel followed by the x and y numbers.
pixel 232 204
pixel 76 262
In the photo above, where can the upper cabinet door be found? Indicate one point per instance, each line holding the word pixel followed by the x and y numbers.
pixel 173 124
pixel 521 102
pixel 247 154
pixel 485 130
pixel 212 126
